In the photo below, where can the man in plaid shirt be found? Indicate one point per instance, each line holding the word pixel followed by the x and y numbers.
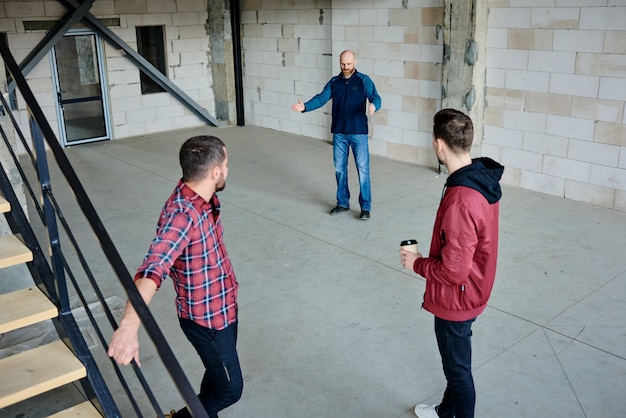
pixel 188 247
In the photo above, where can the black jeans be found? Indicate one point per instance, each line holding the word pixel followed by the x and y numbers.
pixel 455 346
pixel 222 383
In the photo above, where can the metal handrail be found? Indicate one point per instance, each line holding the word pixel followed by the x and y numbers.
pixel 40 132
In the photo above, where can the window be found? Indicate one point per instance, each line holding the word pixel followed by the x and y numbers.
pixel 151 46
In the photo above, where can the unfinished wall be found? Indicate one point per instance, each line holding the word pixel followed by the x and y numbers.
pixel 556 92
pixel 555 77
pixel 188 67
pixel 551 76
pixel 287 54
pixel 188 50
pixel 292 50
pixel 5 157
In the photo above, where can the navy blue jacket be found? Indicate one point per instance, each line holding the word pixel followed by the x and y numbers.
pixel 350 97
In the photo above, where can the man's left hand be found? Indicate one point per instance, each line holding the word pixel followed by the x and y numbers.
pixel 407 258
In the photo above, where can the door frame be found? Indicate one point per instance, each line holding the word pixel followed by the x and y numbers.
pixel 104 91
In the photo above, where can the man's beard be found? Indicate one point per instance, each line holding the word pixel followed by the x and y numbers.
pixel 221 187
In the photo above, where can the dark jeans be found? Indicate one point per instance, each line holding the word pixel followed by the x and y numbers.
pixel 222 383
pixel 455 346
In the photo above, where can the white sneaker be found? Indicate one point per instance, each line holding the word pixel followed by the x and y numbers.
pixel 425 411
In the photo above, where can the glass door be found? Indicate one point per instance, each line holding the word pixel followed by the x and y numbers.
pixel 81 92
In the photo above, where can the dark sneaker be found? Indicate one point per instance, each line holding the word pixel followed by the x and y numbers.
pixel 337 210
pixel 365 214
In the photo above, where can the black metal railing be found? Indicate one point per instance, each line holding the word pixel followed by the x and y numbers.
pixel 51 272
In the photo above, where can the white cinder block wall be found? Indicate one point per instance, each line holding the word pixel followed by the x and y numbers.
pixel 555 76
pixel 287 54
pixel 556 92
pixel 556 82
pixel 132 113
pixel 291 49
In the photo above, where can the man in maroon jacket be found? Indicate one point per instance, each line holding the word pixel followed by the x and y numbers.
pixel 461 266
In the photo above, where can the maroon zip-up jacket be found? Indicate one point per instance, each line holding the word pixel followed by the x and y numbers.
pixel 461 267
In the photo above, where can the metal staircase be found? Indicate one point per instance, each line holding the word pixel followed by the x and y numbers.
pixel 43 368
pixel 67 360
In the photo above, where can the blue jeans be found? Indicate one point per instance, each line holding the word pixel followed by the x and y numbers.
pixel 455 347
pixel 222 383
pixel 360 148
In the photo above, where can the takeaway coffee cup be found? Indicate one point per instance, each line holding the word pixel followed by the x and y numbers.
pixel 409 245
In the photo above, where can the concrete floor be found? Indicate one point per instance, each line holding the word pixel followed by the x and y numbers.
pixel 331 325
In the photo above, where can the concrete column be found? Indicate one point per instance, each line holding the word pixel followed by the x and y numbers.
pixel 464 61
pixel 221 58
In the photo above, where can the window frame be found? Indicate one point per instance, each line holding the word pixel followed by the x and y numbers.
pixel 151 46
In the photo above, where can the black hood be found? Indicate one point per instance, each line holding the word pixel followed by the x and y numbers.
pixel 483 175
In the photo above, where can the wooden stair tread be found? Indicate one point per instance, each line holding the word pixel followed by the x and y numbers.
pixel 83 410
pixel 36 371
pixel 24 307
pixel 5 206
pixel 13 251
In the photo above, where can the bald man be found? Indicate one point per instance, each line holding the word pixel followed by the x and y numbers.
pixel 354 96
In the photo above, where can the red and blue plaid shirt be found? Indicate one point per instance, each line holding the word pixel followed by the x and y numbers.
pixel 189 248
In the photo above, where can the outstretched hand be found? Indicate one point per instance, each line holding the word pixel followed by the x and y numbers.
pixel 298 107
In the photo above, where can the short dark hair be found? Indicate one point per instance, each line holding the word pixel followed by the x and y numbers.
pixel 455 128
pixel 199 154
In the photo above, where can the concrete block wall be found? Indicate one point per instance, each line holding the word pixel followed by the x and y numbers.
pixel 555 76
pixel 186 44
pixel 556 93
pixel 131 112
pixel 292 50
pixel 400 47
pixel 39 78
pixel 287 54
